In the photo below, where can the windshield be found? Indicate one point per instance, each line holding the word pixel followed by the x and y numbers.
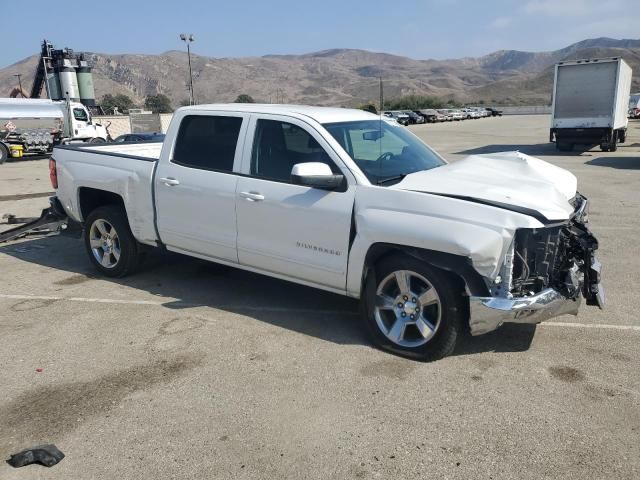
pixel 385 153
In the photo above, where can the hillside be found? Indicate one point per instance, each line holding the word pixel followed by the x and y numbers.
pixel 338 76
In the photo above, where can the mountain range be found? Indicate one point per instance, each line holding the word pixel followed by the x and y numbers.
pixel 345 77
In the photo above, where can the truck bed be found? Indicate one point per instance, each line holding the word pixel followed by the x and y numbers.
pixel 125 169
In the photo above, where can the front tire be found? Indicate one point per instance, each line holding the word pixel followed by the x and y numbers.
pixel 111 247
pixel 412 309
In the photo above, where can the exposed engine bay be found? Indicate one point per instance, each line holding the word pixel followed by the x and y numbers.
pixel 559 257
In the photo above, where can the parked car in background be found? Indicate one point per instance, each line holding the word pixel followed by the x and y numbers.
pixel 401 118
pixel 430 115
pixel 457 115
pixel 140 137
pixel 448 117
pixel 470 113
pixel 493 112
pixel 634 106
pixel 479 112
pixel 413 117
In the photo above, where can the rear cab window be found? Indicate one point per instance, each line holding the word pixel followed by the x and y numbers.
pixel 207 142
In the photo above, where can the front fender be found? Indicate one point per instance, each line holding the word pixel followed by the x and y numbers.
pixel 478 232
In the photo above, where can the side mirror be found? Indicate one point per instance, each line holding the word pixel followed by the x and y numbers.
pixel 316 175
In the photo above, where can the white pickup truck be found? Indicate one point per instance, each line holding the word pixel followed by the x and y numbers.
pixel 345 201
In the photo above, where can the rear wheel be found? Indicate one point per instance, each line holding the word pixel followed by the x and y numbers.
pixel 111 247
pixel 622 136
pixel 4 153
pixel 97 140
pixel 412 309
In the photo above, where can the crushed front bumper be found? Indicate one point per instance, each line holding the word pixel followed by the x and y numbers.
pixel 570 285
pixel 488 313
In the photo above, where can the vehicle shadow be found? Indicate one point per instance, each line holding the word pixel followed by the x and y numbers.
pixel 540 149
pixel 510 337
pixel 621 163
pixel 180 282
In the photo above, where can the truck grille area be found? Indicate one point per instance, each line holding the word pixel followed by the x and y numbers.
pixel 559 257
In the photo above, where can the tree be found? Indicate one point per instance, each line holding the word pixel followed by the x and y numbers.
pixel 119 102
pixel 412 102
pixel 159 103
pixel 244 98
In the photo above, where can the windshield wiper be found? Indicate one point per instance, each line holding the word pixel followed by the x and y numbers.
pixel 392 179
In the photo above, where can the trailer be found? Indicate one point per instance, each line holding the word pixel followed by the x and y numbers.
pixel 590 103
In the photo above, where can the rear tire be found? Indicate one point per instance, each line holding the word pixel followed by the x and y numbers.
pixel 622 136
pixel 97 140
pixel 4 153
pixel 111 246
pixel 419 317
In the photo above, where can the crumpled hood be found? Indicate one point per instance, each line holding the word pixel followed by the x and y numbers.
pixel 508 179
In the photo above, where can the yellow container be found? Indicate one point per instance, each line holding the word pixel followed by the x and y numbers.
pixel 16 151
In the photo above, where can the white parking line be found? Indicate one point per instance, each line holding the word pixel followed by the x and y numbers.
pixel 174 302
pixel 116 301
pixel 591 325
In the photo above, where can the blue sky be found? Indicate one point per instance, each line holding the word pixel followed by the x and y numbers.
pixel 415 28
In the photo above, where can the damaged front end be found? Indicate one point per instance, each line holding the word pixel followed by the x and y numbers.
pixel 546 273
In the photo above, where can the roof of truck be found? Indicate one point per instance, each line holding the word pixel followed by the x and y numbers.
pixel 319 114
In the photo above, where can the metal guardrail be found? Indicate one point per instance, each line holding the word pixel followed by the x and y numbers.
pixel 526 110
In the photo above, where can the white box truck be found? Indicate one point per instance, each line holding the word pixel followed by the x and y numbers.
pixel 590 103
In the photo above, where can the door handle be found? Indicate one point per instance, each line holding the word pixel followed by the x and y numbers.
pixel 252 196
pixel 170 181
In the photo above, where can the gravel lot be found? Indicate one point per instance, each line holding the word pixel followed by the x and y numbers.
pixel 192 370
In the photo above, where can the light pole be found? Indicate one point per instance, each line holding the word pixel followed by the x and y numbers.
pixel 188 39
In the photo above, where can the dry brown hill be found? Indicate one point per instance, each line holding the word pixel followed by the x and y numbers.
pixel 339 76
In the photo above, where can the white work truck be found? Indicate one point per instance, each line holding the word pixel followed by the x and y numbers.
pixel 345 201
pixel 36 125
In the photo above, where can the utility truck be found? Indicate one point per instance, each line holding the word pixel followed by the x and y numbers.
pixel 346 201
pixel 590 103
pixel 35 126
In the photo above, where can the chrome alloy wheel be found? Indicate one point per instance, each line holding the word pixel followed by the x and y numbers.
pixel 105 243
pixel 408 309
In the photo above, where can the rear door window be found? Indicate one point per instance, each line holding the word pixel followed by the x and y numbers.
pixel 207 142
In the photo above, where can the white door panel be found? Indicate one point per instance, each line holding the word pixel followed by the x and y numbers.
pixel 196 207
pixel 295 230
pixel 198 214
pixel 288 229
